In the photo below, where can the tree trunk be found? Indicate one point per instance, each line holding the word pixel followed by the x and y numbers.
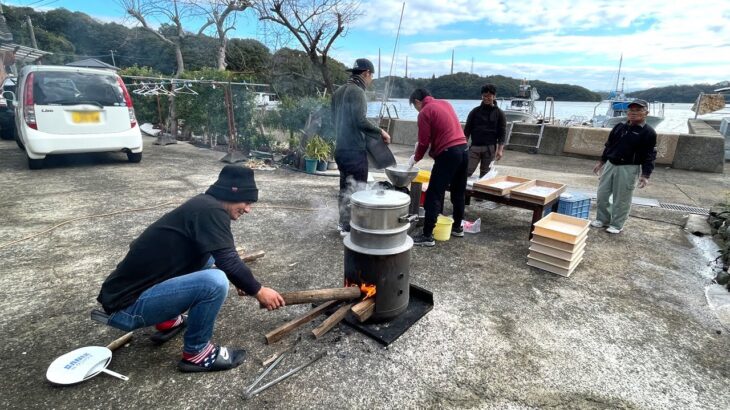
pixel 173 112
pixel 222 54
pixel 179 60
pixel 326 76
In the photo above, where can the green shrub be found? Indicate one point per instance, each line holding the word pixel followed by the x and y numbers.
pixel 317 148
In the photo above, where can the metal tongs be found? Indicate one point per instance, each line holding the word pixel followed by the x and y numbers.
pixel 250 392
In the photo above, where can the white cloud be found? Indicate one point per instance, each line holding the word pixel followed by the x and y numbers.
pixel 662 42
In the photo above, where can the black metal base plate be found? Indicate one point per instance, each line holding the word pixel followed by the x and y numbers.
pixel 419 303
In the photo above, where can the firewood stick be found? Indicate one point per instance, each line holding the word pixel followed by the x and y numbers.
pixel 116 344
pixel 320 295
pixel 281 331
pixel 251 256
pixel 331 321
pixel 363 310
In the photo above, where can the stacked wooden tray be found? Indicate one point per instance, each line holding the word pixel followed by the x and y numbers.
pixel 558 243
pixel 501 185
pixel 537 191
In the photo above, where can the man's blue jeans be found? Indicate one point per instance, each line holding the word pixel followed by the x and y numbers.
pixel 201 293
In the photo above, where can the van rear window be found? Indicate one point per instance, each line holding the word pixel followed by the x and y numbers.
pixel 67 88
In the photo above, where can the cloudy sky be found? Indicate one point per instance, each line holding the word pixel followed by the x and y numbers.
pixel 564 41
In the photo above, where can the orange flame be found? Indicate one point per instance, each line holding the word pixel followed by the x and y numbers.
pixel 365 288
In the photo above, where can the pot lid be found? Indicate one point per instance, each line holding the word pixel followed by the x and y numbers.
pixel 380 198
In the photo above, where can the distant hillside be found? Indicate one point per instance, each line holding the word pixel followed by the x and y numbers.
pixel 677 93
pixel 465 86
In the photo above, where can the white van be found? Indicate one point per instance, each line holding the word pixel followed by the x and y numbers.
pixel 63 110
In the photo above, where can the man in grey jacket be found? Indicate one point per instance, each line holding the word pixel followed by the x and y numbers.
pixel 349 110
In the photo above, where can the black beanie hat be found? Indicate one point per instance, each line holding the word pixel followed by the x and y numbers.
pixel 235 184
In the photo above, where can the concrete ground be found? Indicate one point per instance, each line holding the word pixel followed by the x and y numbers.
pixel 629 329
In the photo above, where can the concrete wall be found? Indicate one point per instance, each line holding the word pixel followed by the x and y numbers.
pixel 699 152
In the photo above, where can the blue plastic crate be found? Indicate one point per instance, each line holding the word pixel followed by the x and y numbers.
pixel 576 205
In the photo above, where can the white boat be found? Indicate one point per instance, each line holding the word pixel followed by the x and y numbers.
pixel 522 107
pixel 618 106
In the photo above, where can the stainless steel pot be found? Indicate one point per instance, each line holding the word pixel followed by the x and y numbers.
pixel 379 239
pixel 379 210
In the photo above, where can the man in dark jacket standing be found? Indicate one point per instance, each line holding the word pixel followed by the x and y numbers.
pixel 168 270
pixel 439 132
pixel 349 110
pixel 628 156
pixel 486 125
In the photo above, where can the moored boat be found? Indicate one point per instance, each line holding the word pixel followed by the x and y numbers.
pixel 521 108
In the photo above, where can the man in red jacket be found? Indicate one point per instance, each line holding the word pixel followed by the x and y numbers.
pixel 439 129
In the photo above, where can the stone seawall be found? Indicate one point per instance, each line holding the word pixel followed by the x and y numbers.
pixel 702 150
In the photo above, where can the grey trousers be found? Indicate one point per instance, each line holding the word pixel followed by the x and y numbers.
pixel 480 153
pixel 615 191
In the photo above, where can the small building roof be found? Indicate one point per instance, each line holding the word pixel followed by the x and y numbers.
pixel 92 63
pixel 23 53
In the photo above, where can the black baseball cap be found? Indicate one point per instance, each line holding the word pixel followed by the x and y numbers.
pixel 362 64
pixel 640 103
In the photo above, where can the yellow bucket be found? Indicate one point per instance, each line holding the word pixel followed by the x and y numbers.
pixel 442 231
pixel 423 176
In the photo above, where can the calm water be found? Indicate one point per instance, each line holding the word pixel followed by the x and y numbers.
pixel 675 114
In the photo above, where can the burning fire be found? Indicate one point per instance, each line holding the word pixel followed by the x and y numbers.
pixel 366 288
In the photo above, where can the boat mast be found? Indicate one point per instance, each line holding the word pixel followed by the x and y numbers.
pixel 618 76
pixel 386 91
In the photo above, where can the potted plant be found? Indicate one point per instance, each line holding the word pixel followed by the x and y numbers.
pixel 317 151
pixel 331 163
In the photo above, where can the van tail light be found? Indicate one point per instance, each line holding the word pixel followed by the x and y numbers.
pixel 29 104
pixel 128 100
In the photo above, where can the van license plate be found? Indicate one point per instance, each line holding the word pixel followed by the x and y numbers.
pixel 79 117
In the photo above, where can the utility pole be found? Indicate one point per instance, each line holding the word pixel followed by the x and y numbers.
pixel 113 62
pixel 32 35
pixel 472 65
pixel 452 61
pixel 406 66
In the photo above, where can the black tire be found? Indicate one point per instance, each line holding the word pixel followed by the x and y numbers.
pixel 34 163
pixel 134 157
pixel 17 140
pixel 7 133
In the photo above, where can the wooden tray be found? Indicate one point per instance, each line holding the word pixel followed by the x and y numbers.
pixel 492 185
pixel 556 261
pixel 550 268
pixel 563 228
pixel 524 193
pixel 558 245
pixel 556 253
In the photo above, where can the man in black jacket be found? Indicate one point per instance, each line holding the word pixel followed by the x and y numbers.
pixel 169 270
pixel 349 110
pixel 486 125
pixel 629 155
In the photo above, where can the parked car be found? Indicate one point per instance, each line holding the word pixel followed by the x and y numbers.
pixel 7 109
pixel 63 110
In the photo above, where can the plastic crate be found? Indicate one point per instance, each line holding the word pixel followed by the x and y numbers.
pixel 576 205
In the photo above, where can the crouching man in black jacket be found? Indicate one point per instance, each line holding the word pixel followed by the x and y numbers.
pixel 169 270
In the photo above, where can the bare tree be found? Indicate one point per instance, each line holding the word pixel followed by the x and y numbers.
pixel 173 11
pixel 315 24
pixel 165 11
pixel 221 14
